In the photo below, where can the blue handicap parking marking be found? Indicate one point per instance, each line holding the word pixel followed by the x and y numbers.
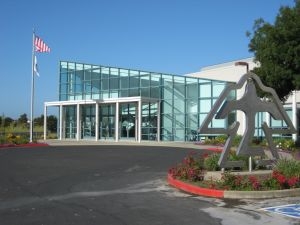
pixel 287 210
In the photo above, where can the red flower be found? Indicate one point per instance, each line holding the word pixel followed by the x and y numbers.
pixel 292 181
pixel 238 181
pixel 205 155
pixel 279 177
pixel 255 182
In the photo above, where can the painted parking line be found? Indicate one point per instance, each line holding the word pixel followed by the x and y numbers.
pixel 287 210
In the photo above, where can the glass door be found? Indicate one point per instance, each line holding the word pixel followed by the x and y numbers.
pixel 107 122
pixel 88 122
pixel 128 121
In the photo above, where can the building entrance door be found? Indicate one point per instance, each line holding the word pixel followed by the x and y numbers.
pixel 128 122
pixel 88 121
pixel 107 120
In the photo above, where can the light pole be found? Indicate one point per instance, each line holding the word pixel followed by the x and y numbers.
pixel 241 63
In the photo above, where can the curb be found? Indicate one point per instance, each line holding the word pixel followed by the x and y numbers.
pixel 24 145
pixel 192 189
pixel 195 189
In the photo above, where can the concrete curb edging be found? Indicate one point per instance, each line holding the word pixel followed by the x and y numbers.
pixel 262 194
pixel 189 188
pixel 194 189
pixel 39 144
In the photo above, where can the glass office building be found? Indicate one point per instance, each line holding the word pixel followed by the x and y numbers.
pixel 108 103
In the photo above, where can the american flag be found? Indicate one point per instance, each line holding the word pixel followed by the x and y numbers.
pixel 40 46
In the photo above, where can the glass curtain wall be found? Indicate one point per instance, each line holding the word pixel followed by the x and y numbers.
pixel 184 101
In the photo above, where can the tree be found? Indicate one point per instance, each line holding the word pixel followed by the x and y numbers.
pixel 23 119
pixel 8 121
pixel 52 123
pixel 277 49
pixel 39 121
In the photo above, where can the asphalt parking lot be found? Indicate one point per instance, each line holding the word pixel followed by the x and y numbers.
pixel 112 185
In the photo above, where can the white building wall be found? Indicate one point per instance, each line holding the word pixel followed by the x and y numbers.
pixel 230 72
pixel 225 71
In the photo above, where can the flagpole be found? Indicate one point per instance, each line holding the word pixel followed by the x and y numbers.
pixel 32 90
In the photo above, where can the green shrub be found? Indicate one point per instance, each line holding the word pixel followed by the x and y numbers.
pixel 237 139
pixel 229 181
pixel 16 139
pixel 234 157
pixel 2 140
pixel 288 167
pixel 211 162
pixel 285 144
pixel 220 140
pixel 286 174
pixel 270 183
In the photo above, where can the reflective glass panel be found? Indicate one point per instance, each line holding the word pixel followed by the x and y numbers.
pixel 124 73
pixel 96 73
pixel 134 92
pixel 104 84
pixel 167 106
pixel 167 120
pixel 114 94
pixel 104 72
pixel 95 86
pixel 145 92
pixel 179 106
pixel 145 81
pixel 114 83
pixel 192 88
pixel 205 90
pixel 192 121
pixel 88 87
pixel 217 88
pixel 179 120
pixel 114 72
pixel 218 123
pixel 134 81
pixel 63 67
pixel 155 92
pixel 155 79
pixel 192 105
pixel 205 105
pixel 124 82
pixel 63 78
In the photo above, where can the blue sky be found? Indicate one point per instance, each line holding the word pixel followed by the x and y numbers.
pixel 171 36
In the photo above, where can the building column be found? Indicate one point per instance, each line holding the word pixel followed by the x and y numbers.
pixel 117 122
pixel 158 121
pixel 139 120
pixel 78 125
pixel 294 111
pixel 45 122
pixel 61 122
pixel 136 122
pixel 97 122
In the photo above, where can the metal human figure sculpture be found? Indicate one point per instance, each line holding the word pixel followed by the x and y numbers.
pixel 250 104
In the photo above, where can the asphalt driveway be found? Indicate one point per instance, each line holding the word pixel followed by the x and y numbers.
pixel 110 185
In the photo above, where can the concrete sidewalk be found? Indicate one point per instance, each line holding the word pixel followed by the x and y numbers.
pixel 190 145
pixel 55 142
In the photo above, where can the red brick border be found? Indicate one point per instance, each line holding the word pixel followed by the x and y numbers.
pixel 195 189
